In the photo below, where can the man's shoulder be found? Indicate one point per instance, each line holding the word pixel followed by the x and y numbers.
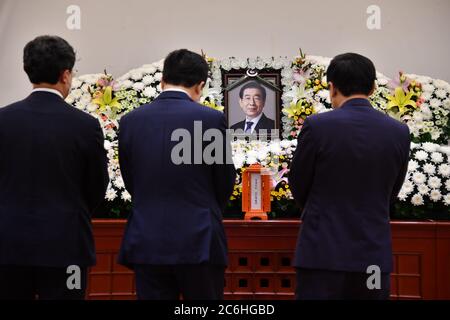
pixel 182 105
pixel 268 120
pixel 78 114
pixel 322 118
pixel 238 125
pixel 12 107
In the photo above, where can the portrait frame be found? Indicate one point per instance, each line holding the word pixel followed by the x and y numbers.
pixel 270 79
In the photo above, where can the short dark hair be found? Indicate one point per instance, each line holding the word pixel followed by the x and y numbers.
pixel 253 85
pixel 46 58
pixel 185 68
pixel 352 73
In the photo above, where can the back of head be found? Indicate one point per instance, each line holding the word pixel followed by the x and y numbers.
pixel 46 58
pixel 185 68
pixel 352 74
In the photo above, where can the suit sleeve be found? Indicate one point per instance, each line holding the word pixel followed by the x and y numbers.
pixel 96 169
pixel 124 157
pixel 303 165
pixel 403 171
pixel 224 174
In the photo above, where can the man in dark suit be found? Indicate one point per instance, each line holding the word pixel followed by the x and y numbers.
pixel 53 173
pixel 175 239
pixel 348 168
pixel 252 100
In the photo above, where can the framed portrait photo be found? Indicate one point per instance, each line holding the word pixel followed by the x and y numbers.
pixel 253 102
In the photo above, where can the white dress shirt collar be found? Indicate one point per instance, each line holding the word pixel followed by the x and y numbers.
pixel 48 90
pixel 178 90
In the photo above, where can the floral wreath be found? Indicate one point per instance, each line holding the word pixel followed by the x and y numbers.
pixel 420 102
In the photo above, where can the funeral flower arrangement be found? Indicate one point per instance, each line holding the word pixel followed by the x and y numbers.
pixel 428 180
pixel 276 156
pixel 420 102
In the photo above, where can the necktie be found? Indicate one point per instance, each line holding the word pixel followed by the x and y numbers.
pixel 249 126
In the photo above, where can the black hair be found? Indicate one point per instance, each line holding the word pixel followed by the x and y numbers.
pixel 46 58
pixel 352 73
pixel 185 68
pixel 253 85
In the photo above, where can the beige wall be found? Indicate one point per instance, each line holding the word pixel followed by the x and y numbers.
pixel 119 35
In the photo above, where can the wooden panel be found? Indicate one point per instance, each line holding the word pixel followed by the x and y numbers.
pixel 443 260
pixel 261 252
pixel 414 248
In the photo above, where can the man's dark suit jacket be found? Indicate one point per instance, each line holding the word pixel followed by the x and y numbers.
pixel 263 123
pixel 53 173
pixel 177 209
pixel 348 168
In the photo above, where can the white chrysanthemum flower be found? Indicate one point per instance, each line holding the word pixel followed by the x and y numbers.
pixel 426 111
pixel 149 92
pixel 429 168
pixel 251 160
pixel 423 79
pixel 225 64
pixel 260 64
pixel 118 182
pixel 111 194
pixel 430 147
pixel 445 149
pixel 440 84
pixel 402 195
pixel 441 93
pixel 285 144
pixel 437 157
pixel 86 98
pixel 434 182
pixel 76 83
pixel 107 145
pixel 148 80
pixel 423 189
pixel 158 76
pixel 444 170
pixel 435 103
pixel 77 93
pixel 275 148
pixel 428 88
pixel 435 195
pixel 136 75
pixel 262 154
pixel 414 146
pixel 70 99
pixel 127 84
pixel 407 187
pixel 419 178
pixel 148 69
pixel 446 104
pixel 91 107
pixel 243 64
pixel 80 105
pixel 447 185
pixel 447 199
pixel 427 95
pixel 138 86
pixel 126 196
pixel 324 94
pixel 421 155
pixel 239 160
pixel 417 200
pixel 435 134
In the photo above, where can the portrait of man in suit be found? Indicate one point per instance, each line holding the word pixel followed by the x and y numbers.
pixel 252 102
